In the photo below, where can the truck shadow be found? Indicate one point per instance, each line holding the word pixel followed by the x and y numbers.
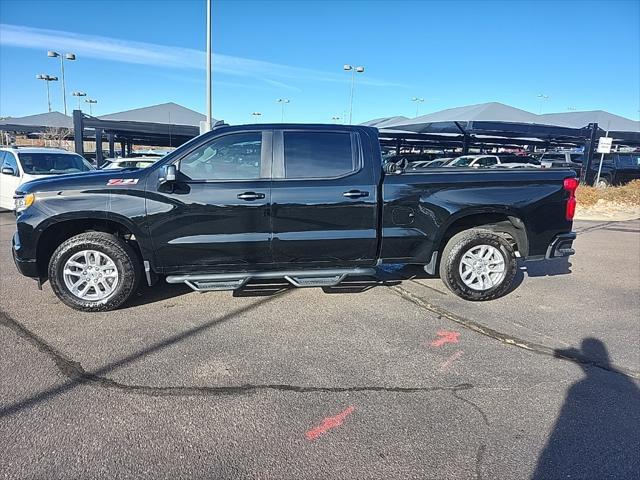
pixel 597 432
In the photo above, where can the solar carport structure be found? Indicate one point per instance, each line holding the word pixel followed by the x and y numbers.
pixel 494 124
pixel 164 125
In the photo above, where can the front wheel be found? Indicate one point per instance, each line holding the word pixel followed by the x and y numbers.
pixel 603 182
pixel 94 271
pixel 478 265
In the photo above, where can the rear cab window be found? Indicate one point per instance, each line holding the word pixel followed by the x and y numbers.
pixel 318 154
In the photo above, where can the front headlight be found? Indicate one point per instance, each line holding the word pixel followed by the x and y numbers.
pixel 23 202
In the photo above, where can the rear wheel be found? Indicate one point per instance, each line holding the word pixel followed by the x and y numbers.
pixel 478 265
pixel 603 182
pixel 94 271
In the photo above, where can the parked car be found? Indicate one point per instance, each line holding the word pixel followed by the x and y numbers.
pixel 569 159
pixel 617 169
pixel 308 203
pixel 21 165
pixel 505 161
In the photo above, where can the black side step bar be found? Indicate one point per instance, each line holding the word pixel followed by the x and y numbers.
pixel 297 278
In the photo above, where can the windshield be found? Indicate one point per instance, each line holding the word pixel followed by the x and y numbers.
pixel 462 161
pixel 42 163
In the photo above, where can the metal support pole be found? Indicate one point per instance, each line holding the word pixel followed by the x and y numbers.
pixel 589 147
pixel 64 87
pixel 112 146
pixel 123 152
pixel 48 96
pixel 465 144
pixel 398 145
pixel 600 165
pixel 99 156
pixel 353 82
pixel 78 131
pixel 209 97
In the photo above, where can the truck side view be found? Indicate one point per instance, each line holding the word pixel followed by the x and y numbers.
pixel 309 203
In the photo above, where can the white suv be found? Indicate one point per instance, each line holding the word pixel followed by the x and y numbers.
pixel 20 165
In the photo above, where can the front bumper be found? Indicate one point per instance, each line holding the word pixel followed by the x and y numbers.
pixel 561 246
pixel 26 266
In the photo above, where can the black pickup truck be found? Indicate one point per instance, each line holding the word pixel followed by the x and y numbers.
pixel 309 203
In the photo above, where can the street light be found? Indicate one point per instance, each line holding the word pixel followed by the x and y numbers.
pixel 79 94
pixel 336 119
pixel 282 102
pixel 209 73
pixel 353 71
pixel 572 109
pixel 67 56
pixel 542 98
pixel 90 101
pixel 256 116
pixel 47 79
pixel 418 102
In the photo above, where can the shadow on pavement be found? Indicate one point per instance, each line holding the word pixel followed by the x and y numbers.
pixel 547 268
pixel 76 375
pixel 597 433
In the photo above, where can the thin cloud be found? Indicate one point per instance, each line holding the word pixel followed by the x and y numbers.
pixel 116 50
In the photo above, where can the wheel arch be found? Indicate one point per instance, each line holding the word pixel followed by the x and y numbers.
pixel 57 230
pixel 501 221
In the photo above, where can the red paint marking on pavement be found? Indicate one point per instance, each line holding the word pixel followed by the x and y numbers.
pixel 445 337
pixel 329 423
pixel 447 363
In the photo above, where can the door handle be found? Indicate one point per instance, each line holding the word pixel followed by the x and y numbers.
pixel 355 194
pixel 250 196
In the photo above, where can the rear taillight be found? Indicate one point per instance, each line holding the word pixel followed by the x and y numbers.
pixel 571 185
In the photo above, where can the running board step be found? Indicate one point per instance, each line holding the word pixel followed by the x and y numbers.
pixel 298 278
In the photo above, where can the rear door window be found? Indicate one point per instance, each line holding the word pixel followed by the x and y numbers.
pixel 318 154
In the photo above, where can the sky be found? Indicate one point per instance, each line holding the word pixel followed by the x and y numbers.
pixel 582 55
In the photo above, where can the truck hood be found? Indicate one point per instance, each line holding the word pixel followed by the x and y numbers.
pixel 93 180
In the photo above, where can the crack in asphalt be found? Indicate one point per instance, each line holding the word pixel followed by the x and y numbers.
pixel 509 339
pixel 77 375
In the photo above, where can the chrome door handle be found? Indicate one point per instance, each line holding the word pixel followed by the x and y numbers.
pixel 355 194
pixel 250 196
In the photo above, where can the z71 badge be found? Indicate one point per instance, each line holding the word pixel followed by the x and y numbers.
pixel 122 181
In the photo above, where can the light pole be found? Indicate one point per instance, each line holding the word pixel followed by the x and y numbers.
pixel 79 94
pixel 47 79
pixel 542 98
pixel 353 71
pixel 256 116
pixel 90 101
pixel 67 56
pixel 418 102
pixel 282 102
pixel 209 96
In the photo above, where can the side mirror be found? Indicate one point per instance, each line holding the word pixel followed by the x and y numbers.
pixel 8 171
pixel 169 174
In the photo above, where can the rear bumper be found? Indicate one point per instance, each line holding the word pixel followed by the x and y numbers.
pixel 561 246
pixel 26 266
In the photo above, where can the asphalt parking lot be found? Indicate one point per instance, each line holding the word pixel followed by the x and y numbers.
pixel 386 378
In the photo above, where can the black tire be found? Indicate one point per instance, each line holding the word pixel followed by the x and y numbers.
pixel 124 257
pixel 461 243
